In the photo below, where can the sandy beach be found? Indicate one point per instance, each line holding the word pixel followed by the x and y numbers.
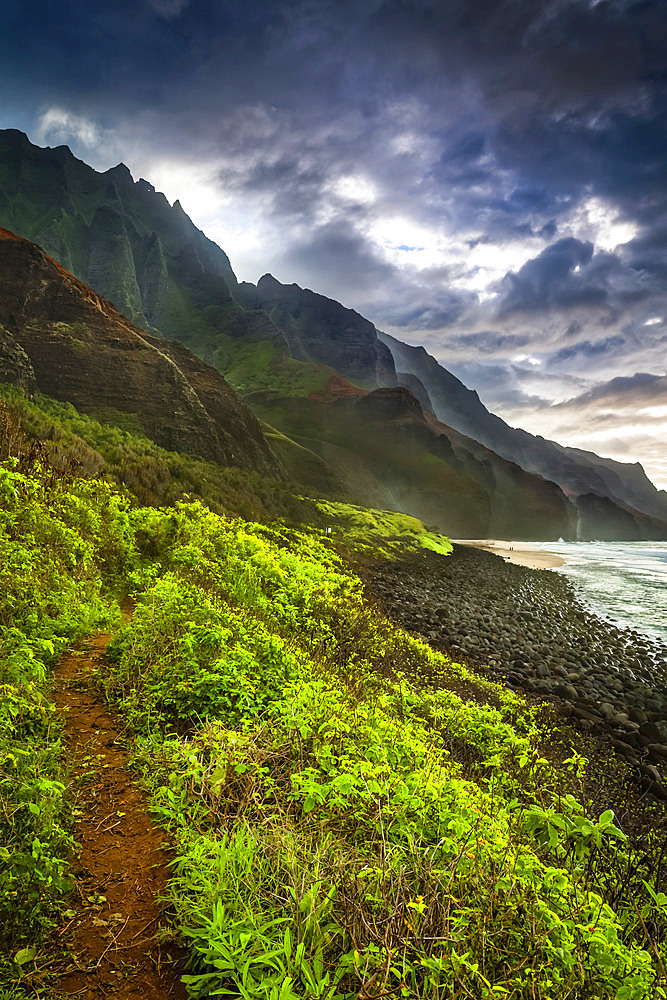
pixel 519 553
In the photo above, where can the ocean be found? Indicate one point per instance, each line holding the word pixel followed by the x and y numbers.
pixel 622 582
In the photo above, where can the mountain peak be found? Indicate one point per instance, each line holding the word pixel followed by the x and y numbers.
pixel 268 279
pixel 120 173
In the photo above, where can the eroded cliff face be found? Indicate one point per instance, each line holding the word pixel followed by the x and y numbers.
pixel 387 453
pixel 61 338
pixel 578 472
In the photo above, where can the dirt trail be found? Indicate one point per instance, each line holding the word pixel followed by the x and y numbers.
pixel 122 867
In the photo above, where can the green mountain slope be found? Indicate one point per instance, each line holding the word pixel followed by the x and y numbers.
pixel 121 237
pixel 388 453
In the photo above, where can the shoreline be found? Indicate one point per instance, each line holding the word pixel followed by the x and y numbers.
pixel 531 633
pixel 517 553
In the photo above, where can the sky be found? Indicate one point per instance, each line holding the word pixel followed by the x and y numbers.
pixel 487 178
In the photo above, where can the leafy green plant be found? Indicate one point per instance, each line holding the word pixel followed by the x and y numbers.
pixel 65 547
pixel 329 841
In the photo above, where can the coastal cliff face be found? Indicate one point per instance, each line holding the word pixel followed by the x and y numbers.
pixel 385 451
pixel 61 338
pixel 635 507
pixel 600 519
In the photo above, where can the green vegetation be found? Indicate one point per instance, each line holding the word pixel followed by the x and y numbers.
pixel 261 366
pixel 112 446
pixel 329 843
pixel 382 532
pixel 348 819
pixel 66 548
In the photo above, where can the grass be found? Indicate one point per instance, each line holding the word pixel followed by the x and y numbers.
pixel 262 366
pixel 381 532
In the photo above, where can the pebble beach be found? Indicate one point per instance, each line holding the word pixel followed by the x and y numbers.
pixel 526 628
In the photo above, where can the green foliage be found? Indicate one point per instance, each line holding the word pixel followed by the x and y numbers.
pixel 65 547
pixel 192 658
pixel 260 366
pixel 111 444
pixel 382 532
pixel 312 760
pixel 328 841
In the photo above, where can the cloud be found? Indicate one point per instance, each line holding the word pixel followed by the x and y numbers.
pixel 169 8
pixel 641 392
pixel 62 126
pixel 487 179
pixel 551 279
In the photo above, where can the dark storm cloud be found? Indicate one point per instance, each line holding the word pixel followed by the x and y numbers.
pixel 584 352
pixel 568 95
pixel 169 8
pixel 637 391
pixel 504 137
pixel 604 290
pixel 345 259
pixel 549 280
pixel 491 342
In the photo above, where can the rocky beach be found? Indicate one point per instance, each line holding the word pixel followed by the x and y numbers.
pixel 527 628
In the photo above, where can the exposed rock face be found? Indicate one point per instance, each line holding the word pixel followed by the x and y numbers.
pixel 417 389
pixel 64 340
pixel 385 405
pixel 321 329
pixel 15 366
pixel 578 472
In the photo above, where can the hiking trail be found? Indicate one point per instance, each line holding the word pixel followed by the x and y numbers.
pixel 121 871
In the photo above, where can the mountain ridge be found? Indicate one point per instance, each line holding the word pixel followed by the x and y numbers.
pixel 275 339
pixel 462 408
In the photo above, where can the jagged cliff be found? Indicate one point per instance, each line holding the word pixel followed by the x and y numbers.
pixel 118 235
pixel 59 337
pixel 319 329
pixel 387 453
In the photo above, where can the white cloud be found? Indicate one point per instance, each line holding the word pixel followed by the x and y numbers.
pixel 599 221
pixel 355 188
pixel 61 126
